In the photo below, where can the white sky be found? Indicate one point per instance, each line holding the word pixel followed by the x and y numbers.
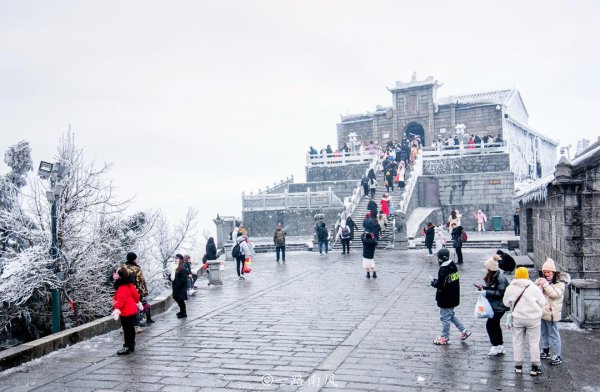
pixel 195 101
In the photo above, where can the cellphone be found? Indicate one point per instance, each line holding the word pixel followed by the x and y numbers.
pixel 540 273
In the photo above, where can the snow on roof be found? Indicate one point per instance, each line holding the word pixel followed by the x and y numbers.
pixel 586 155
pixel 536 191
pixel 499 97
pixel 364 116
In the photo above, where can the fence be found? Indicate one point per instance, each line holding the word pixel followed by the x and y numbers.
pixel 279 201
pixel 462 150
pixel 338 159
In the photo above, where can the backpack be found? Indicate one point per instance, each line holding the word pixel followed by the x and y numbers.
pixel 322 233
pixel 464 236
pixel 235 251
pixel 345 232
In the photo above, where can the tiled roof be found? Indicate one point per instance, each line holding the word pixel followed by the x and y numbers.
pixel 491 97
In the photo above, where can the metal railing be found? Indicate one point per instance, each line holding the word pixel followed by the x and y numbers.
pixel 464 149
pixel 278 201
pixel 357 195
pixel 338 159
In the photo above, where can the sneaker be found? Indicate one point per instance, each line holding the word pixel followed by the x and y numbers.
pixel 545 353
pixel 138 330
pixel 500 350
pixel 182 315
pixel 518 369
pixel 374 274
pixel 125 351
pixel 556 360
pixel 465 334
pixel 149 321
pixel 535 371
pixel 241 278
pixel 441 341
pixel 493 351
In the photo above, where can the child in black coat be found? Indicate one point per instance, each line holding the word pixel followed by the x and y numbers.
pixel 447 296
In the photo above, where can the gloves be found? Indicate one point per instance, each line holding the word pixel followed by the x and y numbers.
pixel 433 282
pixel 140 306
pixel 116 313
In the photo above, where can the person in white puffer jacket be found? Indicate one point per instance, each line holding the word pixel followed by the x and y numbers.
pixel 526 302
pixel 553 285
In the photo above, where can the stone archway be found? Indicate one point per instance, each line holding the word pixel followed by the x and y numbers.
pixel 414 128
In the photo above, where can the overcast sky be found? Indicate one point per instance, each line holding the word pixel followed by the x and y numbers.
pixel 195 101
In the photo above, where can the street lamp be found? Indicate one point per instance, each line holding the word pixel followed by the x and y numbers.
pixel 55 172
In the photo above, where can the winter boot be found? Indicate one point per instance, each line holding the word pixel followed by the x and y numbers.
pixel 374 274
pixel 368 275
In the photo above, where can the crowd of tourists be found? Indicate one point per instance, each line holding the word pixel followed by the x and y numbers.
pixel 467 141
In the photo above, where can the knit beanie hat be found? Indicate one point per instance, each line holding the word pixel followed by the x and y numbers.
pixel 492 263
pixel 443 255
pixel 521 273
pixel 131 257
pixel 549 265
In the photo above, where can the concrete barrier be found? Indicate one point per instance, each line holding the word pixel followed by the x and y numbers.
pixel 25 352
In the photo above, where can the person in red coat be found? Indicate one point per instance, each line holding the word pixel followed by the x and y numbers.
pixel 126 306
pixel 385 204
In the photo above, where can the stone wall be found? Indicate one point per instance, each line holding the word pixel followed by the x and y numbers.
pixel 466 164
pixel 341 189
pixel 336 173
pixel 565 226
pixel 299 221
pixel 490 192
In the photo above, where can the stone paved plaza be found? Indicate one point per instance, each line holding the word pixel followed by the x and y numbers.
pixel 313 323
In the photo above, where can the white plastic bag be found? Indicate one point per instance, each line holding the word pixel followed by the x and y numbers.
pixel 483 309
pixel 509 320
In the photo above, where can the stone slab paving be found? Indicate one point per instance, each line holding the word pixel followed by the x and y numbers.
pixel 313 323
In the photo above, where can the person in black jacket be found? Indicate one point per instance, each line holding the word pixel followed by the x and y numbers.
pixel 365 184
pixel 372 206
pixel 456 234
pixel 211 249
pixel 369 245
pixel 429 236
pixel 350 223
pixel 179 286
pixel 323 237
pixel 495 285
pixel 447 296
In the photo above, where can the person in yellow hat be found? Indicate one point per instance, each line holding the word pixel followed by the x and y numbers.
pixel 553 285
pixel 526 302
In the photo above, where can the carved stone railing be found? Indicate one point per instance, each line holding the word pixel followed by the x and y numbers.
pixel 277 185
pixel 337 159
pixel 357 195
pixel 462 150
pixel 285 200
pixel 417 170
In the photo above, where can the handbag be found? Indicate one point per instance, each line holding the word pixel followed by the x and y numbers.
pixel 483 308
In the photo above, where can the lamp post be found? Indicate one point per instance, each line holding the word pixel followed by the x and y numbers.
pixel 55 172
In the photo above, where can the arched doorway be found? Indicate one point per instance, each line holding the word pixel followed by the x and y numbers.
pixel 415 128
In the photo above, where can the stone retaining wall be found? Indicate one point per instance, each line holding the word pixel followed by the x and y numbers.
pixel 297 222
pixel 466 164
pixel 336 173
pixel 18 355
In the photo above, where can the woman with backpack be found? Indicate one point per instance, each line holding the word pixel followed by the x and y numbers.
pixel 323 237
pixel 240 258
pixel 344 235
pixel 495 286
pixel 352 226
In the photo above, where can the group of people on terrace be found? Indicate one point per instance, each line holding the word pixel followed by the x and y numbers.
pixel 467 141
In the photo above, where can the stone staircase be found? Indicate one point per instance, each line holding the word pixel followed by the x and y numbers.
pixel 385 236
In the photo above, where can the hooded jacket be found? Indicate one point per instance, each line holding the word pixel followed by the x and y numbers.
pixel 211 249
pixel 554 294
pixel 447 294
pixel 126 297
pixel 429 235
pixel 531 304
